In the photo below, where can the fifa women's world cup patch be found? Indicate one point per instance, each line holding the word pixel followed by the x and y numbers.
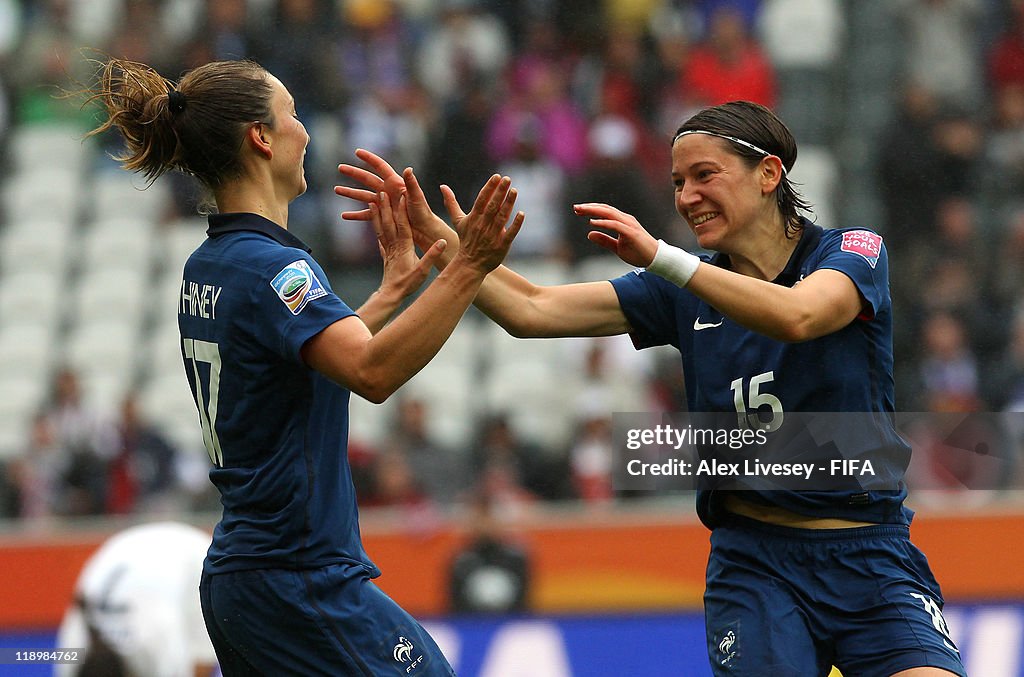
pixel 296 285
pixel 864 243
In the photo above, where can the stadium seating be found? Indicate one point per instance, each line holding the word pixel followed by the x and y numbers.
pixel 45 146
pixel 117 194
pixel 20 398
pixel 34 295
pixel 816 174
pixel 42 193
pixel 118 241
pixel 90 274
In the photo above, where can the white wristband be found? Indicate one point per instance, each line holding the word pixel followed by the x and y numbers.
pixel 673 264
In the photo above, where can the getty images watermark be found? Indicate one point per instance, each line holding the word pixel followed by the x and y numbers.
pixel 814 451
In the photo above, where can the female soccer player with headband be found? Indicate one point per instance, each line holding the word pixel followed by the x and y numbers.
pixel 785 312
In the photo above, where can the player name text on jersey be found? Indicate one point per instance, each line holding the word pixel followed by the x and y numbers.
pixel 199 300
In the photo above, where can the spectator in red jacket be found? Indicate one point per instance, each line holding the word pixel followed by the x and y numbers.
pixel 1006 60
pixel 730 64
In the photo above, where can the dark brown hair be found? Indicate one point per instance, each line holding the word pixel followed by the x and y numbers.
pixel 196 125
pixel 757 125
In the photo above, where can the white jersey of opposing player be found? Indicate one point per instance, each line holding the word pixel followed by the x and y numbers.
pixel 142 591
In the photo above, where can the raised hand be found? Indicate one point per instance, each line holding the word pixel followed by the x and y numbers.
pixel 404 272
pixel 630 242
pixel 382 177
pixel 451 203
pixel 484 239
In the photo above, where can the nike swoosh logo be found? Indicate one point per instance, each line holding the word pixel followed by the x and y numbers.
pixel 698 325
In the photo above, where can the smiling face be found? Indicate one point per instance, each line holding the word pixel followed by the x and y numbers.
pixel 289 140
pixel 717 192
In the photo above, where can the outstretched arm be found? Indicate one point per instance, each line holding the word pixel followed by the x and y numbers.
pixel 822 303
pixel 521 307
pixel 375 365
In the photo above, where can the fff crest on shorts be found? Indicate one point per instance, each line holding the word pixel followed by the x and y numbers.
pixel 296 285
pixel 863 242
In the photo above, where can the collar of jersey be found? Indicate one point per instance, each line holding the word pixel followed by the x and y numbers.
pixel 231 223
pixel 790 275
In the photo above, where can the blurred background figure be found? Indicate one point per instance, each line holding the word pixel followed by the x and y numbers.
pixel 515 471
pixel 1006 54
pixel 144 469
pixel 37 472
pixel 613 142
pixel 490 572
pixel 541 94
pixel 592 459
pixel 468 44
pixel 949 369
pixel 440 475
pixel 462 125
pixel 805 68
pixel 541 185
pixel 86 440
pixel 1002 171
pixel 730 64
pixel 936 56
pixel 394 484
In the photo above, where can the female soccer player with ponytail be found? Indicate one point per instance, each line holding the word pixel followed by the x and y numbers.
pixel 272 354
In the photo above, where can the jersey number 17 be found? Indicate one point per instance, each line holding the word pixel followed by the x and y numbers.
pixel 204 352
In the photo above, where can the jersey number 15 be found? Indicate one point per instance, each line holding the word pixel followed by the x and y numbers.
pixel 756 401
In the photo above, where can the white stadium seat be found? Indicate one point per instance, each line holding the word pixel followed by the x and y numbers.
pixel 105 355
pixel 20 398
pixel 26 349
pixel 34 296
pixel 47 192
pixel 543 272
pixel 42 246
pixel 163 351
pixel 118 241
pixel 816 176
pixel 112 293
pixel 168 402
pixel 104 344
pixel 165 296
pixel 369 423
pixel 118 194
pixel 450 386
pixel 180 239
pixel 48 145
pixel 536 396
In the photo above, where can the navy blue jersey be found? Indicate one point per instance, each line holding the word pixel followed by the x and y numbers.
pixel 276 430
pixel 728 368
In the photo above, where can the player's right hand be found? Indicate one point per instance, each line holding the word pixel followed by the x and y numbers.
pixel 485 240
pixel 382 177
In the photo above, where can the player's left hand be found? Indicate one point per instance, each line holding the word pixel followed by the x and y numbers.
pixel 630 241
pixel 404 272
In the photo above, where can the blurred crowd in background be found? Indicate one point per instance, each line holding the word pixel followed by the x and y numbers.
pixel 910 114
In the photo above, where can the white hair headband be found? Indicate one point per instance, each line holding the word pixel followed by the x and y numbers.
pixel 747 144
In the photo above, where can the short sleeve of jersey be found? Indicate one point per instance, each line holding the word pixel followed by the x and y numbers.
pixel 861 256
pixel 293 302
pixel 650 304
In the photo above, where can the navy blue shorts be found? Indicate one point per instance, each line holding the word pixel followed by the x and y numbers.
pixel 328 621
pixel 793 602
